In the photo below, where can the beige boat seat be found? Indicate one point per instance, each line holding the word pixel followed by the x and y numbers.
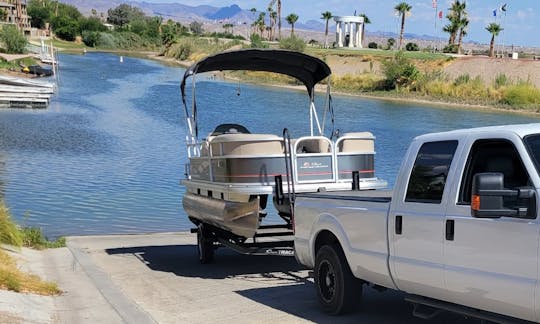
pixel 356 142
pixel 313 145
pixel 246 144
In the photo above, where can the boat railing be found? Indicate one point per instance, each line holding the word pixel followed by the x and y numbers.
pixel 313 160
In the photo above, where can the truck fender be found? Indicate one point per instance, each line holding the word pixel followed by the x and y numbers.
pixel 328 222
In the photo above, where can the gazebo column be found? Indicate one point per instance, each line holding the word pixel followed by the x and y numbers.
pixel 351 35
pixel 339 30
pixel 359 35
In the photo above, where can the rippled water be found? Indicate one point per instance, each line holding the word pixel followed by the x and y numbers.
pixel 108 154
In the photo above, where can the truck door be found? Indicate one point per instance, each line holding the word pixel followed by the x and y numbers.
pixel 416 220
pixel 491 263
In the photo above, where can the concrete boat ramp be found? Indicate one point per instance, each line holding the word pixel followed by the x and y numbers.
pixel 157 278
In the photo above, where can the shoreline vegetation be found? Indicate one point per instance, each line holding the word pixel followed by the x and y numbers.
pixel 409 74
pixel 12 238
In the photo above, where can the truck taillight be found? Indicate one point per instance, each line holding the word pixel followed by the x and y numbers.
pixel 475 202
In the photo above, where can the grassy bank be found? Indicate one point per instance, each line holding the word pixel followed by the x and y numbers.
pixel 11 277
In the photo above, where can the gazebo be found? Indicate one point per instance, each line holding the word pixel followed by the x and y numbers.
pixel 349 31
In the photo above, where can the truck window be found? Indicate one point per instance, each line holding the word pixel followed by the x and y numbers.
pixel 493 155
pixel 428 176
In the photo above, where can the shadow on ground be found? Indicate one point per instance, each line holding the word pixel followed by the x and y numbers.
pixel 182 260
pixel 375 307
pixel 291 290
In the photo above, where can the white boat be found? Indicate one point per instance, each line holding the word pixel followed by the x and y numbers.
pixel 232 173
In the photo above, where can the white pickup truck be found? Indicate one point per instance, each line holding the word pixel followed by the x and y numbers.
pixel 460 231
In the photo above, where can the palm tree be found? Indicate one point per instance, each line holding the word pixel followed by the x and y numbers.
pixel 260 23
pixel 402 8
pixel 279 17
pixel 463 24
pixel 494 29
pixel 452 29
pixel 273 19
pixel 366 22
pixel 291 19
pixel 327 15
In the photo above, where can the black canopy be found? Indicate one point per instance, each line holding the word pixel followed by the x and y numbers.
pixel 307 69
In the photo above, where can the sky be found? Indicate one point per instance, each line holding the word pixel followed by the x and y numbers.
pixel 521 23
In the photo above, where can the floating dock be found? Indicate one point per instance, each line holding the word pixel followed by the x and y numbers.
pixel 24 93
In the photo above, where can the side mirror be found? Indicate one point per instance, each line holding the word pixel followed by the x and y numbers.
pixel 488 194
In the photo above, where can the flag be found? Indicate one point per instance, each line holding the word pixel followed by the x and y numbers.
pixel 440 14
pixel 434 2
pixel 503 7
pixel 495 13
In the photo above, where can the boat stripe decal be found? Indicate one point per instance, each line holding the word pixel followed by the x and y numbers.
pixel 276 174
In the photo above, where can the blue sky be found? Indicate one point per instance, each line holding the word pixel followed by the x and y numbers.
pixel 521 24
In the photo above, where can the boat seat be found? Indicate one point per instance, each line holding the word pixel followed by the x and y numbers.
pixel 356 142
pixel 246 144
pixel 313 145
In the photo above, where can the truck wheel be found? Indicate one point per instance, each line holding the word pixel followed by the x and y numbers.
pixel 338 290
pixel 205 245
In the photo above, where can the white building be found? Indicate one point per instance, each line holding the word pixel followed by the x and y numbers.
pixel 349 31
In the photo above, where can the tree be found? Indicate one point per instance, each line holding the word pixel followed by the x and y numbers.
pixel 65 27
pixel 292 19
pixel 260 24
pixel 39 15
pixel 13 40
pixel 327 15
pixel 457 28
pixel 399 71
pixel 366 22
pixel 390 43
pixel 196 28
pixel 412 47
pixel 403 9
pixel 494 29
pixel 92 24
pixel 124 14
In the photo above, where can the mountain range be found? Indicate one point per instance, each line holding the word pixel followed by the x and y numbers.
pixel 184 13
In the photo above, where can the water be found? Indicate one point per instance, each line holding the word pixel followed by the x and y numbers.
pixel 108 154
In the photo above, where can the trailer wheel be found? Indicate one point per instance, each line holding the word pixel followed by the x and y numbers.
pixel 205 245
pixel 338 290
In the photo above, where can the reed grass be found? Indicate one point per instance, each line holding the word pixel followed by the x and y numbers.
pixel 11 278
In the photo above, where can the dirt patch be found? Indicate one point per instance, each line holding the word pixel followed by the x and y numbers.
pixel 489 68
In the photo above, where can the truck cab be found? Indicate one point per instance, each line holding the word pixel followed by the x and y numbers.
pixel 440 248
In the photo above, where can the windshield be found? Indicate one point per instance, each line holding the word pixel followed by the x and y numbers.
pixel 532 142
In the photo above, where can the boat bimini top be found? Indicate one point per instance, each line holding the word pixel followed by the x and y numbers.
pixel 307 69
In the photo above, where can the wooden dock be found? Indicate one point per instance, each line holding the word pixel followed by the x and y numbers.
pixel 24 93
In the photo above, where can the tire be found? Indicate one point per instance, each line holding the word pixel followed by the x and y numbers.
pixel 205 245
pixel 338 291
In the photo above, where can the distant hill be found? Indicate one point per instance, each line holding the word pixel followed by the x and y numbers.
pixel 224 13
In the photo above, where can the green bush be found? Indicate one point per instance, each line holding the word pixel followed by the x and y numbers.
pixel 451 48
pixel 462 79
pixel 399 71
pixel 9 232
pixel 293 43
pixel 66 28
pixel 412 47
pixel 372 45
pixel 256 41
pixel 183 49
pixel 90 38
pixel 522 95
pixel 14 42
pixel 501 80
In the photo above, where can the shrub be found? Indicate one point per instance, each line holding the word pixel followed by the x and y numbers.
pixel 451 48
pixel 13 40
pixel 90 38
pixel 256 41
pixel 462 79
pixel 373 45
pixel 412 47
pixel 522 95
pixel 9 232
pixel 501 80
pixel 293 43
pixel 399 71
pixel 354 83
pixel 182 50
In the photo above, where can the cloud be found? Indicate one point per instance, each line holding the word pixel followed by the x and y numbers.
pixel 525 14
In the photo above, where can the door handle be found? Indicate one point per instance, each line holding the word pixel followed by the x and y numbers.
pixel 449 229
pixel 399 224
